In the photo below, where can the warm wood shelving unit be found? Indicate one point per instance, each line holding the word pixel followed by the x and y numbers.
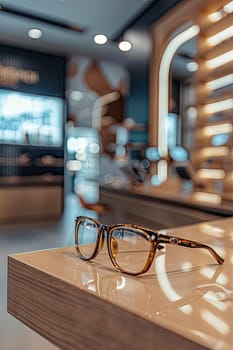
pixel 214 99
pixel 212 90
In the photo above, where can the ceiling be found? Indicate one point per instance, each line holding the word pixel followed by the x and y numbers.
pixel 110 17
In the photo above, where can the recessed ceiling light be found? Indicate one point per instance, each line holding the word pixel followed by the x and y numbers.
pixel 100 39
pixel 125 45
pixel 35 33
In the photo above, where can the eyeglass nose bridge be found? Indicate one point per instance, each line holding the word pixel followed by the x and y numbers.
pixel 103 231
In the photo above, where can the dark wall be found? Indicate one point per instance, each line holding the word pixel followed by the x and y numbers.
pixel 138 101
pixel 32 72
pixel 137 104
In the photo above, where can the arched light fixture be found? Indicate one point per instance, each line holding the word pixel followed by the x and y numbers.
pixel 166 60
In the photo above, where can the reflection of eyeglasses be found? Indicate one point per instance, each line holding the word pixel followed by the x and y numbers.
pixel 131 248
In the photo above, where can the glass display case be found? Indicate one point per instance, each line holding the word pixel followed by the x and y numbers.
pixel 31 156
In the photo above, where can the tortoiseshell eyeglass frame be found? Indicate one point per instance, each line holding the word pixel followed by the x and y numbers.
pixel 154 237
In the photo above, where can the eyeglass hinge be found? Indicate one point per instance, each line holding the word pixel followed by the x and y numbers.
pixel 174 240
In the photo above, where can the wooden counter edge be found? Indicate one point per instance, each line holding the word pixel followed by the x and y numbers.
pixel 72 318
pixel 222 210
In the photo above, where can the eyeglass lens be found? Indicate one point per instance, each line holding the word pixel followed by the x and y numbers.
pixel 130 248
pixel 87 236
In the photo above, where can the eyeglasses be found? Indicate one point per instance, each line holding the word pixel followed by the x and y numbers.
pixel 131 248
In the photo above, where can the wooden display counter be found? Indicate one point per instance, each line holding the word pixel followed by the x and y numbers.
pixel 160 207
pixel 181 303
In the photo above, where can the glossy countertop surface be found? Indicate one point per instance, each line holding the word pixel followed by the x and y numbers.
pixel 184 290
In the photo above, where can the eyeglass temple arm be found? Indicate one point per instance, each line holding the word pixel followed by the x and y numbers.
pixel 190 244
